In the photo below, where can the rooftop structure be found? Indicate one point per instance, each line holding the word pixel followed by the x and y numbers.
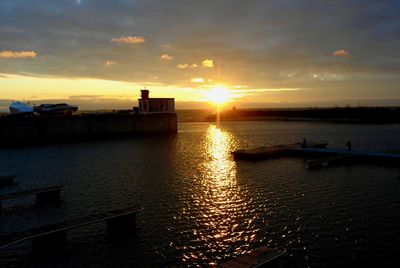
pixel 149 105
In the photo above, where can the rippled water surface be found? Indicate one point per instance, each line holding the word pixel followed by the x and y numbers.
pixel 200 207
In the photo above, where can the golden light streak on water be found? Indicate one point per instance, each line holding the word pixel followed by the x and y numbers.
pixel 225 214
pixel 220 197
pixel 220 168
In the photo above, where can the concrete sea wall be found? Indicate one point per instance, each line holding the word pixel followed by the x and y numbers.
pixel 19 130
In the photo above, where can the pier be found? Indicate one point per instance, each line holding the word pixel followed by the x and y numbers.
pixel 54 236
pixel 322 155
pixel 262 153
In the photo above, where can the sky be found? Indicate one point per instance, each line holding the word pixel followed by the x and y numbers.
pixel 98 54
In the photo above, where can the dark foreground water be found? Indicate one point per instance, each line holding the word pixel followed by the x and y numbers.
pixel 201 207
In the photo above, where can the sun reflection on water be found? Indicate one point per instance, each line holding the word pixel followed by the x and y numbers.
pixel 220 168
pixel 221 207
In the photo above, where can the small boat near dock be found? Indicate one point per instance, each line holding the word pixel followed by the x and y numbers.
pixel 20 108
pixel 59 109
pixel 257 258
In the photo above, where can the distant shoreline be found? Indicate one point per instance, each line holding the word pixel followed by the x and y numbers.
pixel 358 115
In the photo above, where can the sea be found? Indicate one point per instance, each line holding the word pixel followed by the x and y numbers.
pixel 201 208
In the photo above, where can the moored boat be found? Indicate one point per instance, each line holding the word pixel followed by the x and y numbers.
pixel 17 107
pixel 58 109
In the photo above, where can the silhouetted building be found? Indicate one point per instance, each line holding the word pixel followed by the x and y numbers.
pixel 149 105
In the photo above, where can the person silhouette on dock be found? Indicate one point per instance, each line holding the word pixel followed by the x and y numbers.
pixel 348 146
pixel 304 144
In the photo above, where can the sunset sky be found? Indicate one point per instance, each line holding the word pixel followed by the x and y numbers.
pixel 98 54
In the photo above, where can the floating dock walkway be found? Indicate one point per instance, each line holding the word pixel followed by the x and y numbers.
pixel 50 237
pixel 327 156
pixel 263 153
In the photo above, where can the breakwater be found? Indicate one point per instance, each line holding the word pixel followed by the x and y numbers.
pixel 31 130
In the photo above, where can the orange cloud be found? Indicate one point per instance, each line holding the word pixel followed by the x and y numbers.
pixel 207 63
pixel 17 54
pixel 341 53
pixel 183 66
pixel 186 65
pixel 109 63
pixel 166 57
pixel 197 80
pixel 129 39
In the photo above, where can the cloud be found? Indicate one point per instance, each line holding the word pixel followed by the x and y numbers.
pixel 207 63
pixel 129 39
pixel 17 54
pixel 341 53
pixel 197 80
pixel 186 65
pixel 109 63
pixel 166 57
pixel 183 66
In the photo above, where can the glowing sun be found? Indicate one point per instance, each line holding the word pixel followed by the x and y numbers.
pixel 219 95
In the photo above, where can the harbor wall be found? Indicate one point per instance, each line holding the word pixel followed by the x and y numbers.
pixel 20 130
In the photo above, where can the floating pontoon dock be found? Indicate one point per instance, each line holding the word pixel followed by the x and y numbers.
pixel 54 236
pixel 326 155
pixel 271 152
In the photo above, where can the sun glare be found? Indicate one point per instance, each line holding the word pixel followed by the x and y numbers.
pixel 219 95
